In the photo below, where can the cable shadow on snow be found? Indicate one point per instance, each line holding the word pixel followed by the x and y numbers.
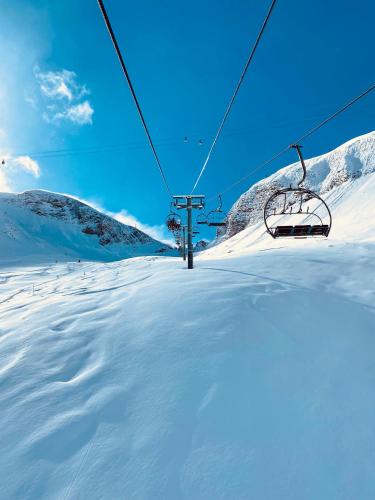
pixel 259 276
pixel 286 283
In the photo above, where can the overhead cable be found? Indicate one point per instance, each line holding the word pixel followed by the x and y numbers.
pixel 126 74
pixel 232 99
pixel 299 140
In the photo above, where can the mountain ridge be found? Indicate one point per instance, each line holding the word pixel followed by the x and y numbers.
pixel 68 228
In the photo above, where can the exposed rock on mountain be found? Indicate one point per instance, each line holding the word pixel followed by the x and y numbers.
pixel 45 224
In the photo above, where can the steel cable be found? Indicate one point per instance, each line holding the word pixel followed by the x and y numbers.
pixel 229 107
pixel 126 74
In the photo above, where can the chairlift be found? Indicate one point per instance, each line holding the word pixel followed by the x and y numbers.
pixel 302 212
pixel 217 218
pixel 201 218
pixel 200 142
pixel 173 221
pixel 185 139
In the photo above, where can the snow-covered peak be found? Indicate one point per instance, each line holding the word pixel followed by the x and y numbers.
pixel 349 161
pixel 41 224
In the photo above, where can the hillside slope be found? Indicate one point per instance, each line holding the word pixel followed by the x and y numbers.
pixel 39 226
pixel 327 174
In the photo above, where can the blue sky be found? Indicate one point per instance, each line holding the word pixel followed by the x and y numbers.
pixel 61 88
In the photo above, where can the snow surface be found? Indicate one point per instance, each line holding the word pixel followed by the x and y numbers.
pixel 250 377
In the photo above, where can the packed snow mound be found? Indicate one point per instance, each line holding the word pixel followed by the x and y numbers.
pixel 40 225
pixel 339 168
pixel 249 377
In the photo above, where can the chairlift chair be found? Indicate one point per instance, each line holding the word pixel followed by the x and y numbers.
pixel 201 218
pixel 217 218
pixel 297 203
pixel 173 221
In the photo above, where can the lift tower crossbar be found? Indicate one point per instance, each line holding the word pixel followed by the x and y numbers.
pixel 189 202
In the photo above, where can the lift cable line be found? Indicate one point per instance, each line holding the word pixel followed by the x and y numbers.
pixel 126 146
pixel 299 140
pixel 125 71
pixel 229 107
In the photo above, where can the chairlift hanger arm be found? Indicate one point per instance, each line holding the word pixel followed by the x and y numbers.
pixel 298 148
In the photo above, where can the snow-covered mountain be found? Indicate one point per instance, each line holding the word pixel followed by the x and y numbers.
pixel 331 175
pixel 40 225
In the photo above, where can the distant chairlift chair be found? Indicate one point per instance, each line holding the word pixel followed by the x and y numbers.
pixel 217 218
pixel 201 218
pixel 289 202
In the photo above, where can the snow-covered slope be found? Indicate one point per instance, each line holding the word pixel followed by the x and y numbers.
pixel 39 225
pixel 331 175
pixel 246 378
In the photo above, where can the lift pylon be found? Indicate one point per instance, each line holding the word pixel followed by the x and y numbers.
pixel 189 202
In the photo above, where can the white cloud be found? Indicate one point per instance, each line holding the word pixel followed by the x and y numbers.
pixel 60 84
pixel 30 99
pixel 63 96
pixel 79 113
pixel 12 167
pixel 28 164
pixel 158 232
